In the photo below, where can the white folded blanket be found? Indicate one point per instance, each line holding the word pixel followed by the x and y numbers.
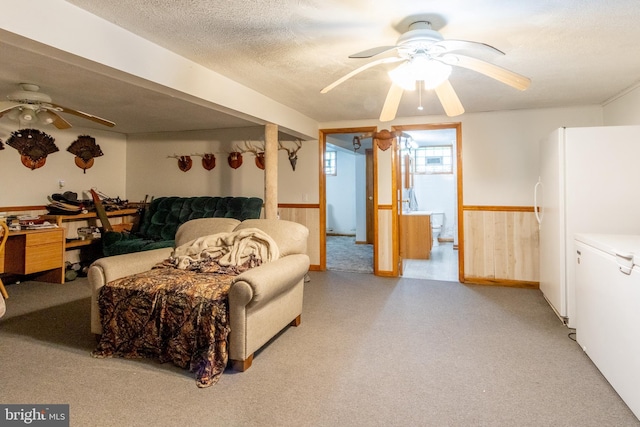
pixel 233 248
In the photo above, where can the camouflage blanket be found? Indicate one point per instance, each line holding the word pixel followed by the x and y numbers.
pixel 174 313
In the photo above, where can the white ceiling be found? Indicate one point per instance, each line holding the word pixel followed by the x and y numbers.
pixel 576 52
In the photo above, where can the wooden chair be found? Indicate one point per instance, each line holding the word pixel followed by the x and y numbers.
pixel 4 234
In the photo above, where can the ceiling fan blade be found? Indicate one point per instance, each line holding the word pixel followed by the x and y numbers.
pixel 452 45
pixel 390 107
pixel 84 115
pixel 503 75
pixel 6 106
pixel 359 70
pixel 372 52
pixel 59 122
pixel 449 99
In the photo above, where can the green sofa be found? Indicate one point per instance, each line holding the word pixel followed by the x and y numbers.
pixel 164 215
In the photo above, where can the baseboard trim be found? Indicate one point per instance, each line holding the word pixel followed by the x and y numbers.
pixel 501 282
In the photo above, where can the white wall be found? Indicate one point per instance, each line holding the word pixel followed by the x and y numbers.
pixel 341 195
pixel 623 110
pixel 499 149
pixel 437 193
pixel 22 186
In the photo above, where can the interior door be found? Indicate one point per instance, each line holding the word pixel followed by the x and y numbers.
pixel 369 195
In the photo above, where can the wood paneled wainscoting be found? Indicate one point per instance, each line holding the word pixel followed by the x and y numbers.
pixel 501 246
pixel 309 216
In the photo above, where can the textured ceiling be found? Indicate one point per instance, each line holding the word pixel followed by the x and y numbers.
pixel 576 52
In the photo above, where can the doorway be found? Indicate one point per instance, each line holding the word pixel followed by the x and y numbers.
pixel 346 202
pixel 429 190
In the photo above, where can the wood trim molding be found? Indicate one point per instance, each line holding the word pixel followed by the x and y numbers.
pixel 385 207
pixel 501 282
pixel 299 205
pixel 499 208
pixel 22 208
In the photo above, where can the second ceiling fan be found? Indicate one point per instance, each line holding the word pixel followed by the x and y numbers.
pixel 427 61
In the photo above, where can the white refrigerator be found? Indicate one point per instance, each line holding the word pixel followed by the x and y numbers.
pixel 608 309
pixel 588 181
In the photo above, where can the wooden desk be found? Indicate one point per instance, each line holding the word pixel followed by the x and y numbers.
pixel 37 252
pixel 72 222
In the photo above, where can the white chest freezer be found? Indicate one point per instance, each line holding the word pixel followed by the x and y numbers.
pixel 608 309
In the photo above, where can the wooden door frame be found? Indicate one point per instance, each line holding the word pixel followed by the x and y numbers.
pixel 322 146
pixel 458 127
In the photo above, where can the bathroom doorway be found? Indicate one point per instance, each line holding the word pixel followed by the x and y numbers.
pixel 429 188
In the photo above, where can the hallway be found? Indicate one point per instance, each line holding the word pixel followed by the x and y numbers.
pixel 343 254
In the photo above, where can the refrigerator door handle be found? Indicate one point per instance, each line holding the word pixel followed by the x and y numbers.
pixel 536 205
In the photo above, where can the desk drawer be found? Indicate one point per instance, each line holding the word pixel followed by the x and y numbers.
pixel 37 239
pixel 43 257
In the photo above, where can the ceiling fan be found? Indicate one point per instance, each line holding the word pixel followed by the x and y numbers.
pixel 427 61
pixel 29 105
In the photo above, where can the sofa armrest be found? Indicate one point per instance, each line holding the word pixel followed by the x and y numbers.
pixel 259 285
pixel 262 301
pixel 111 268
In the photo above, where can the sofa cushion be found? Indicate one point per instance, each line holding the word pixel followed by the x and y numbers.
pixel 290 236
pixel 199 227
pixel 164 216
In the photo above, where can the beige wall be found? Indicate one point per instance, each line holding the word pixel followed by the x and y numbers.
pixel 21 186
pixel 151 172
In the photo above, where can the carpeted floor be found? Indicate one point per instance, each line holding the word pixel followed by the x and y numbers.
pixel 343 254
pixel 370 351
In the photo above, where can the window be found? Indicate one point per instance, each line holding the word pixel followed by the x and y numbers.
pixel 330 163
pixel 434 160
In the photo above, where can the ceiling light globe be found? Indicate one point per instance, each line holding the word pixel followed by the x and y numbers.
pixel 433 73
pixel 403 76
pixel 45 117
pixel 27 115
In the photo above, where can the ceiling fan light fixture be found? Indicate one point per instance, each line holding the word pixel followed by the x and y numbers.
pixel 420 69
pixel 404 76
pixel 45 117
pixel 27 115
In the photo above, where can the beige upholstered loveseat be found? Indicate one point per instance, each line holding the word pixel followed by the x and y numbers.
pixel 262 300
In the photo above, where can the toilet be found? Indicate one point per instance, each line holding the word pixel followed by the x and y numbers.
pixel 437 222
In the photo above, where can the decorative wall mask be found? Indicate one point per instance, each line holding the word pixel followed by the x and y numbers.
pixel 33 145
pixel 235 159
pixel 292 152
pixel 85 149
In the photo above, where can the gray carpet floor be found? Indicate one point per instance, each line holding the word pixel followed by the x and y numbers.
pixel 343 254
pixel 370 351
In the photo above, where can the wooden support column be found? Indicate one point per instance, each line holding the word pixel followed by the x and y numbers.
pixel 271 171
